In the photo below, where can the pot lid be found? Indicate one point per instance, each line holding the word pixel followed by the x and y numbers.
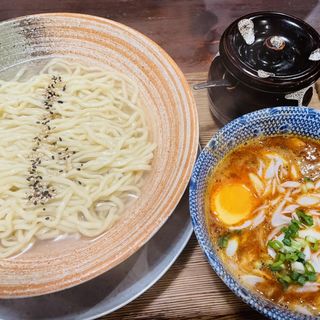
pixel 272 51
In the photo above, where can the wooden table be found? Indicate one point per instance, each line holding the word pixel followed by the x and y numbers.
pixel 189 30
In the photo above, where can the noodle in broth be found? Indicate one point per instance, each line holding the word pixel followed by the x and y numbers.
pixel 74 144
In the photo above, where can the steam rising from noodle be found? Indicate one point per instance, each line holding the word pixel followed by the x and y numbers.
pixel 69 158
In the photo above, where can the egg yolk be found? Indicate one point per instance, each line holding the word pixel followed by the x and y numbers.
pixel 232 203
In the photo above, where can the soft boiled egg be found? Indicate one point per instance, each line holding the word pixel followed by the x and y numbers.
pixel 232 202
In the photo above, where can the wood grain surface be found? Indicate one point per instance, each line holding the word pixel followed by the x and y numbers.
pixel 189 30
pixel 191 290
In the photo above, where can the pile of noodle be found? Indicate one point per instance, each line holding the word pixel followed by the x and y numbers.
pixel 91 158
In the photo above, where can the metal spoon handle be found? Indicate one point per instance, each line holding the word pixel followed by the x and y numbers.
pixel 212 83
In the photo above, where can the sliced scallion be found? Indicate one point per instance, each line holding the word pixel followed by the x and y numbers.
pixel 301 280
pixel 275 244
pixel 315 246
pixel 309 267
pixel 312 277
pixel 287 241
pixel 304 218
pixel 311 239
pixel 223 241
pixel 294 275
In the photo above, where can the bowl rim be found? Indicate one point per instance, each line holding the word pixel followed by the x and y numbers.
pixel 100 267
pixel 254 300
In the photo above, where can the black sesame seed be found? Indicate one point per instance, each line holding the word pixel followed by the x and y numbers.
pixel 60 138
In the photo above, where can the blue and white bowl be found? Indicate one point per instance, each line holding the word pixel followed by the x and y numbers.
pixel 266 122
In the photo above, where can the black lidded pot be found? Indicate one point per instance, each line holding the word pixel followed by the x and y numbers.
pixel 269 59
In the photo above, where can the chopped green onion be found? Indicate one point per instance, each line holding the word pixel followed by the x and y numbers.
pixel 301 256
pixel 301 280
pixel 291 257
pixel 276 266
pixel 223 241
pixel 280 257
pixel 287 249
pixel 312 277
pixel 309 267
pixel 287 242
pixel 315 246
pixel 296 245
pixel 290 265
pixel 304 218
pixel 285 280
pixel 307 179
pixel 311 239
pixel 295 224
pixel 294 275
pixel 275 244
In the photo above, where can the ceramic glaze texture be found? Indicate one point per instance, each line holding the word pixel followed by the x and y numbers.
pixel 173 121
pixel 267 122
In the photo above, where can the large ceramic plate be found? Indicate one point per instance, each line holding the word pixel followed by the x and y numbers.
pixel 173 122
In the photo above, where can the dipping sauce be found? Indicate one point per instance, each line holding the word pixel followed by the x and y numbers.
pixel 263 213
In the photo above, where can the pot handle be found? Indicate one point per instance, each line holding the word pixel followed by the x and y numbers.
pixel 211 84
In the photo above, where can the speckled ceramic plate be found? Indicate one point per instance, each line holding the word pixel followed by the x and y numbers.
pixel 172 114
pixel 115 288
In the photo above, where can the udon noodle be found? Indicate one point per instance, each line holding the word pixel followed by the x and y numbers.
pixel 74 145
